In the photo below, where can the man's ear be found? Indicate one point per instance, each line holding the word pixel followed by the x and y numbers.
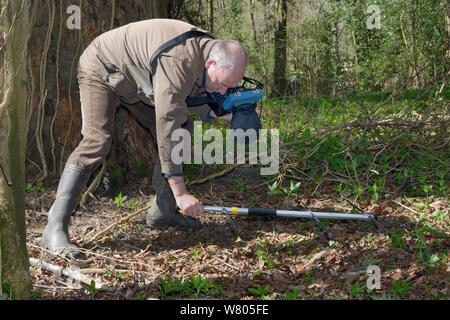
pixel 210 62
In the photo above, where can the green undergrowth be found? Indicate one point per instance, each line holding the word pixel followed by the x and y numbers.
pixel 192 287
pixel 369 158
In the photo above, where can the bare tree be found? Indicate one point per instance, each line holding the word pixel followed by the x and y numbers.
pixel 15 31
pixel 280 62
pixel 158 8
pixel 447 28
pixel 211 15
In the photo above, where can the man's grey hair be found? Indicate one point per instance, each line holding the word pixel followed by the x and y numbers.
pixel 224 56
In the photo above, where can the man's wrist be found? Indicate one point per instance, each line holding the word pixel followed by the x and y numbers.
pixel 177 186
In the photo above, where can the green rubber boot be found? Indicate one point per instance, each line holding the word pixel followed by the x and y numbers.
pixel 56 234
pixel 164 208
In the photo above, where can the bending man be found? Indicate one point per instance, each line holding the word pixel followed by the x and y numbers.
pixel 113 70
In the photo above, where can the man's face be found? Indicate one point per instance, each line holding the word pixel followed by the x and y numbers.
pixel 221 78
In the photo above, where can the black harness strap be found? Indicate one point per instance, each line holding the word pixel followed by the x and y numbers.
pixel 178 39
pixel 198 101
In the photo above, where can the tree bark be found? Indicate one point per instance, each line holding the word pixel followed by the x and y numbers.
pixel 158 9
pixel 15 278
pixel 414 42
pixel 211 15
pixel 447 28
pixel 280 81
pixel 252 17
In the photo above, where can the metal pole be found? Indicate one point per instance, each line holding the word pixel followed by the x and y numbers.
pixel 290 213
pixel 300 214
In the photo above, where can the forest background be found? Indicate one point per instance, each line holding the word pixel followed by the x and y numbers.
pixel 358 89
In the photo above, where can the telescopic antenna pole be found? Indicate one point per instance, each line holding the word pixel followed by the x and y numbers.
pixel 316 216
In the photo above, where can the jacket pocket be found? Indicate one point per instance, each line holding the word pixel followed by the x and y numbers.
pixel 122 87
pixel 146 95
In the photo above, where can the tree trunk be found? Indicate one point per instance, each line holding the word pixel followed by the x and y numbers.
pixel 280 81
pixel 15 278
pixel 59 123
pixel 414 43
pixel 252 17
pixel 158 9
pixel 447 28
pixel 211 15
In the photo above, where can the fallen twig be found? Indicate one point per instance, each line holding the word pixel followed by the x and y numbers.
pixel 94 184
pixel 412 210
pixel 121 220
pixel 318 256
pixel 213 176
pixel 73 274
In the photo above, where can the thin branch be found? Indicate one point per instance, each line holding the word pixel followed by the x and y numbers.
pixel 114 224
pixel 213 176
pixel 113 14
pixel 58 46
pixel 43 91
pixel 70 98
pixel 73 274
pixel 94 183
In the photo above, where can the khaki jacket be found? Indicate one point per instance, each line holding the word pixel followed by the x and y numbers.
pixel 125 53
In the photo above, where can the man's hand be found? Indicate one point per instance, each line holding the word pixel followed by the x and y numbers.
pixel 227 117
pixel 188 204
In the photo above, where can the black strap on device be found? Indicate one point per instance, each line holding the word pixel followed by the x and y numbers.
pixel 178 39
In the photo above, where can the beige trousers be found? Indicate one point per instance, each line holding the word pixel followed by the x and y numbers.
pixel 100 97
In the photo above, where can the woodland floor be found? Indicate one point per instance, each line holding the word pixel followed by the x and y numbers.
pixel 270 258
